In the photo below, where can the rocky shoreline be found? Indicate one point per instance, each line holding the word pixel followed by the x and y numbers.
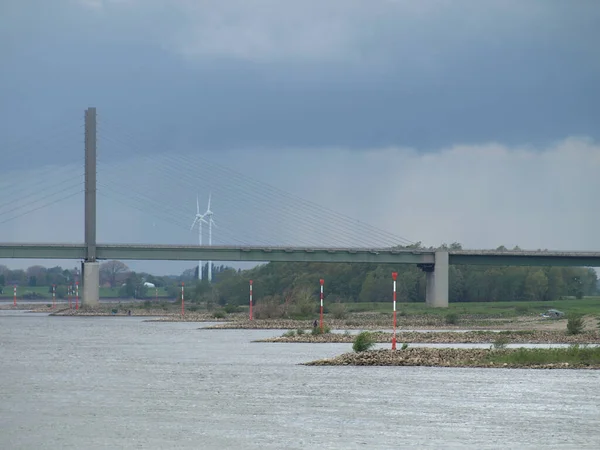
pixel 442 357
pixel 369 321
pixel 451 337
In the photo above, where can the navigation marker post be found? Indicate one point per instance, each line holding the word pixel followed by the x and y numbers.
pixel 394 277
pixel 250 299
pixel 322 281
pixel 69 294
pixel 53 296
pixel 77 295
pixel 182 301
pixel 15 295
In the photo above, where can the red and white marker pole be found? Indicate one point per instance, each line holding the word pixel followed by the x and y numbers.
pixel 77 295
pixel 394 276
pixel 250 299
pixel 182 301
pixel 53 296
pixel 15 295
pixel 322 281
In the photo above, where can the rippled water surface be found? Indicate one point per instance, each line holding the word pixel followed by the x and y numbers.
pixel 119 382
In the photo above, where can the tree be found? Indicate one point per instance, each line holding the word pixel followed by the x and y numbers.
pixel 36 275
pixel 134 287
pixel 536 284
pixel 111 271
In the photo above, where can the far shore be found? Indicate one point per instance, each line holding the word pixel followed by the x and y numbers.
pixel 219 319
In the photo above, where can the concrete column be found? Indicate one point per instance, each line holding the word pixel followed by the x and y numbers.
pixel 91 283
pixel 437 282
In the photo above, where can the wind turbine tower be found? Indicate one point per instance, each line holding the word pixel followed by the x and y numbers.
pixel 198 220
pixel 211 222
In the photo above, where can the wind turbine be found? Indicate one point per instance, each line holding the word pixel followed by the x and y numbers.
pixel 198 220
pixel 211 222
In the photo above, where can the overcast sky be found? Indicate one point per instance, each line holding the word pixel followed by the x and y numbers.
pixel 435 121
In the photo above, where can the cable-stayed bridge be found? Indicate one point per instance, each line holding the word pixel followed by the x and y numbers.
pixel 257 222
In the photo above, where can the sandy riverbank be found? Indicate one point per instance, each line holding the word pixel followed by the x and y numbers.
pixel 452 357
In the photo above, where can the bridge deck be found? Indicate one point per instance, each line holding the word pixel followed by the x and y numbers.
pixel 298 254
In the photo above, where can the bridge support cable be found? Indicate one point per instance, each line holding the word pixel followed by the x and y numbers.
pixel 153 209
pixel 189 167
pixel 13 203
pixel 33 181
pixel 172 210
pixel 37 208
pixel 259 220
pixel 231 174
pixel 247 211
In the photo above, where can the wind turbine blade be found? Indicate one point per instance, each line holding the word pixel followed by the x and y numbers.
pixel 209 196
pixel 193 223
pixel 213 223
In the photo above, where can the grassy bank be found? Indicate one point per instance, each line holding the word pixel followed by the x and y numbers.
pixel 574 357
pixel 588 305
pixel 44 292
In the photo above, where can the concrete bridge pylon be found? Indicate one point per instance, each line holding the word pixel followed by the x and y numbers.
pixel 90 269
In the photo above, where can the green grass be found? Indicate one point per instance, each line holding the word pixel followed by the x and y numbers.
pixel 574 355
pixel 588 305
pixel 104 292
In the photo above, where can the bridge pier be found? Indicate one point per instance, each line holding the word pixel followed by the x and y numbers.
pixel 91 284
pixel 436 290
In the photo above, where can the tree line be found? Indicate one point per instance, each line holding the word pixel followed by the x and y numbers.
pixel 344 282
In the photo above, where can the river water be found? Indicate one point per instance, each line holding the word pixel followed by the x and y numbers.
pixel 120 382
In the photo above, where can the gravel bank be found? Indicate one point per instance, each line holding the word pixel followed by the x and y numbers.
pixel 468 337
pixel 438 357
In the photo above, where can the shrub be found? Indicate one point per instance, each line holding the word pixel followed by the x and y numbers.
pixel 402 313
pixel 299 331
pixel 404 346
pixel 452 318
pixel 193 308
pixel 363 342
pixel 289 333
pixel 521 309
pixel 317 330
pixel 302 303
pixel 230 309
pixel 575 324
pixel 338 310
pixel 268 308
pixel 501 342
pixel 219 314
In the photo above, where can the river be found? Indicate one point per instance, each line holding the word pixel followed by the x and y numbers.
pixel 120 382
